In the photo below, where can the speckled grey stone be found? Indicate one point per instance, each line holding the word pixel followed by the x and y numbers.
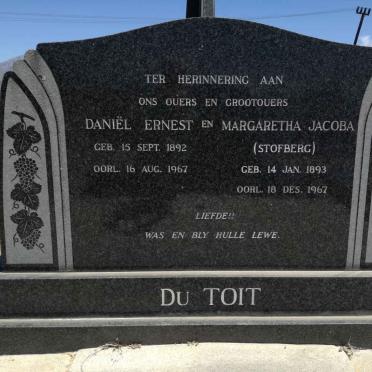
pixel 149 295
pixel 110 213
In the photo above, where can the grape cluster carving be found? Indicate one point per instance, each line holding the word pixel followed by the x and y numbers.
pixel 26 189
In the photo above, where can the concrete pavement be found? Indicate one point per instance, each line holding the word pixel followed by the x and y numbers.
pixel 205 357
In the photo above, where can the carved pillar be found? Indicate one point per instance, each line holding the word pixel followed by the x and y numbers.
pixel 35 221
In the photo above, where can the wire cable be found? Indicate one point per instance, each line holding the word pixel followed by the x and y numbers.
pixel 74 18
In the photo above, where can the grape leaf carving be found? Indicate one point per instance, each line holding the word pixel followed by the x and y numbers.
pixel 23 137
pixel 30 198
pixel 26 223
pixel 15 130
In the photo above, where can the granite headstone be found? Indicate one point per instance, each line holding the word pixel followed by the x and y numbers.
pixel 234 154
pixel 204 143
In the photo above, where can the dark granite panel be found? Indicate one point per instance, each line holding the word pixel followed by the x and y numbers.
pixel 55 340
pixel 112 212
pixel 143 296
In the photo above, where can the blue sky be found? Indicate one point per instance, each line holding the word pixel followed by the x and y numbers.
pixel 25 23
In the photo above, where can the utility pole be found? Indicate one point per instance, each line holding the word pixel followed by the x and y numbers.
pixel 363 12
pixel 200 8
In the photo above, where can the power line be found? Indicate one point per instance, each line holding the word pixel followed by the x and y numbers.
pixel 322 12
pixel 74 18
pixel 41 21
pixel 56 15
